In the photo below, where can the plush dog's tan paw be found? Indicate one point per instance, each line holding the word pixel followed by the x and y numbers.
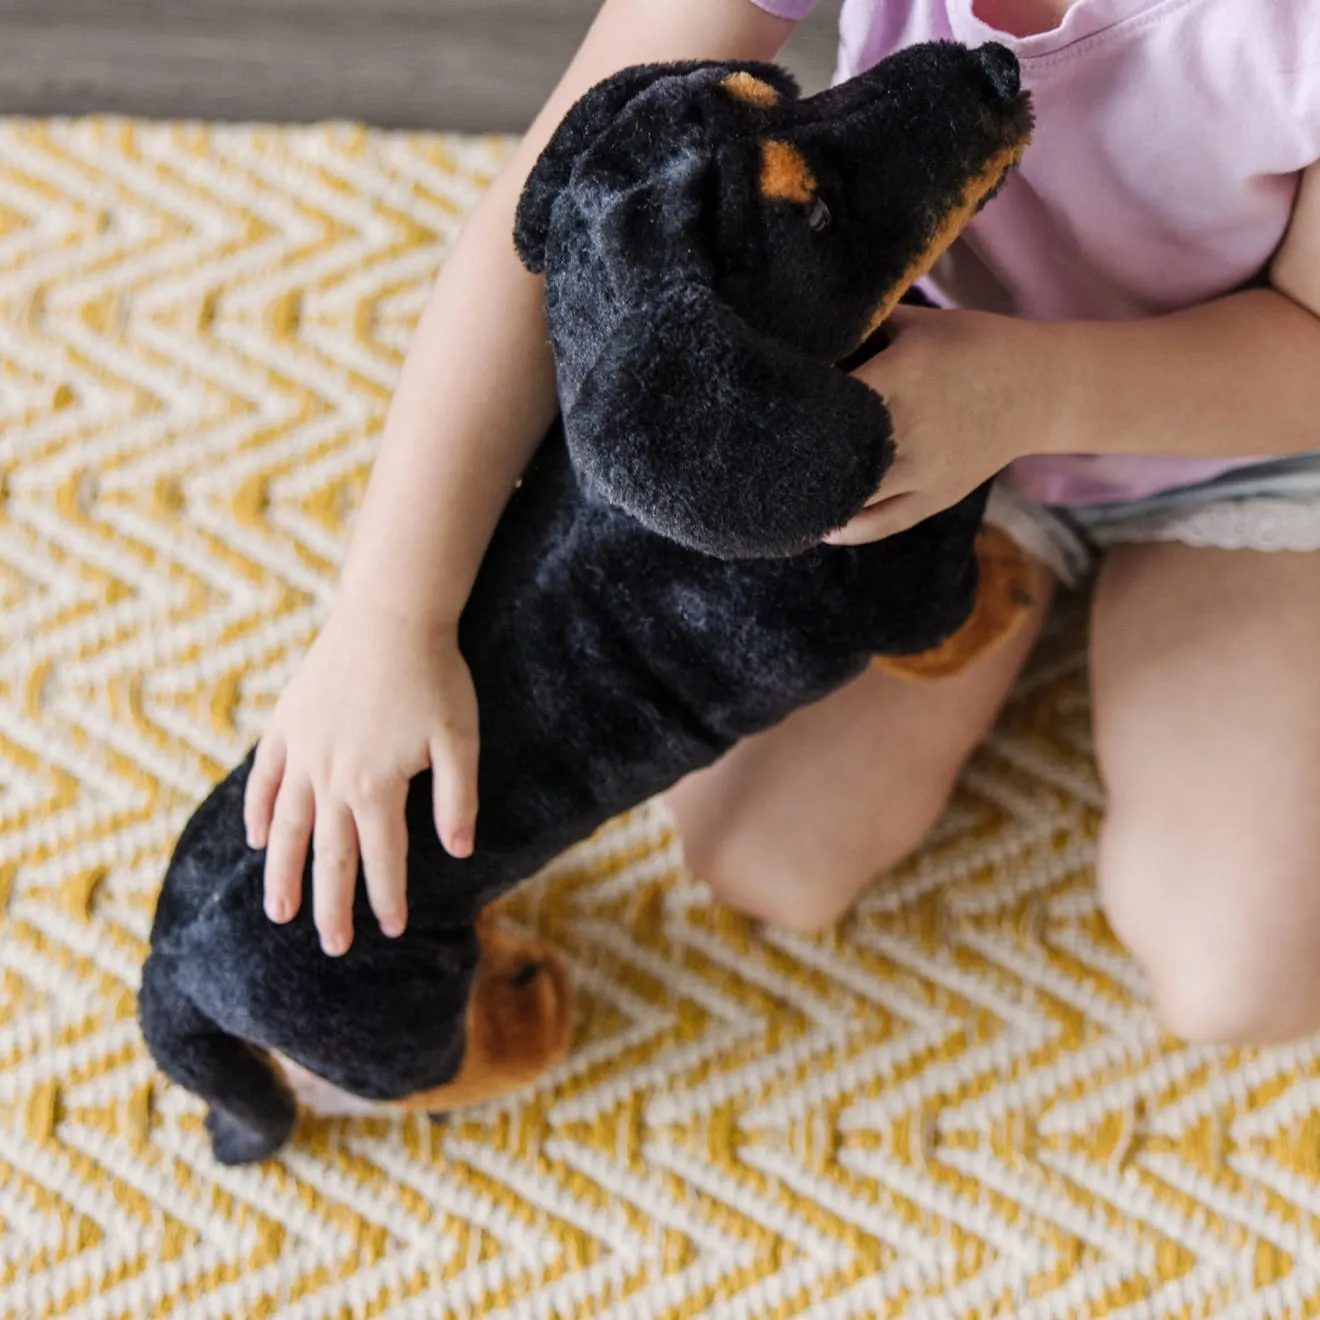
pixel 519 1022
pixel 1004 598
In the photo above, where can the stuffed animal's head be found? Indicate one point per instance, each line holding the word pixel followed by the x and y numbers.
pixel 713 244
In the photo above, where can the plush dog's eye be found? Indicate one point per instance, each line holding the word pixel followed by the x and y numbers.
pixel 818 217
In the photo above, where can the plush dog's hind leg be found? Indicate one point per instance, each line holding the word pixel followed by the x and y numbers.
pixel 519 1020
pixel 251 1114
pixel 1006 596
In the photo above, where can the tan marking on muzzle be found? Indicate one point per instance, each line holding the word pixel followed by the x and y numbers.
pixel 785 174
pixel 954 222
pixel 753 91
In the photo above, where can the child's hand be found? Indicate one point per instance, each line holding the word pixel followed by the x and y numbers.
pixel 376 700
pixel 968 392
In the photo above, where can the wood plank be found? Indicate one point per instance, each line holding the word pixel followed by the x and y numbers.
pixel 470 65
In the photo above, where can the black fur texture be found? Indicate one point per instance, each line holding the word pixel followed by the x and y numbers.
pixel 655 590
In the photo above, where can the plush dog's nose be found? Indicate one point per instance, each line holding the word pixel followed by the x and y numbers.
pixel 1001 67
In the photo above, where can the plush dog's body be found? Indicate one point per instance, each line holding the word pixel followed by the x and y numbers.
pixel 654 592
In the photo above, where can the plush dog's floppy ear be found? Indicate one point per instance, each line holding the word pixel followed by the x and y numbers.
pixel 721 438
pixel 587 119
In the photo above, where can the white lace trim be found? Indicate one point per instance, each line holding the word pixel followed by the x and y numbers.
pixel 1266 523
pixel 1244 524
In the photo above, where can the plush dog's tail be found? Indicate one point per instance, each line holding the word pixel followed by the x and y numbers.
pixel 251 1114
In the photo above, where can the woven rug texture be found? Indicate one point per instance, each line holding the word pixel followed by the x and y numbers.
pixel 956 1104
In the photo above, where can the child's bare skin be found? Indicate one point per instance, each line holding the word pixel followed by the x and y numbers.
pixel 1206 703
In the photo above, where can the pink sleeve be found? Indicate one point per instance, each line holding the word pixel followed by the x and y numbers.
pixel 792 9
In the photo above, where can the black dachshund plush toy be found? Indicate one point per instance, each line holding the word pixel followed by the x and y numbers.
pixel 716 252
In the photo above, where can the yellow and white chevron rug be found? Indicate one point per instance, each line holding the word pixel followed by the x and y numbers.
pixel 956 1105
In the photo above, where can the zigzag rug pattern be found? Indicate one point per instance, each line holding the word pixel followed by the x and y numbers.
pixel 954 1105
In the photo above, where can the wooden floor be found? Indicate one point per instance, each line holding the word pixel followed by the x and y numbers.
pixel 452 64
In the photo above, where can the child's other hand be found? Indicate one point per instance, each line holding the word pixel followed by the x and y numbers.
pixel 376 700
pixel 968 392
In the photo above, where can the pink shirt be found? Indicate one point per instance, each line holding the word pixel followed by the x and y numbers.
pixel 1170 137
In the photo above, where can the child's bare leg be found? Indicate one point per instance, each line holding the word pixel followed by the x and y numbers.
pixel 1207 697
pixel 792 825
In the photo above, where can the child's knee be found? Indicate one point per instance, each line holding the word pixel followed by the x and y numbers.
pixel 1189 910
pixel 804 898
pixel 787 902
pixel 787 874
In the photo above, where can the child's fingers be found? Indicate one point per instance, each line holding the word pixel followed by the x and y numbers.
pixel 383 834
pixel 885 518
pixel 905 317
pixel 454 784
pixel 262 786
pixel 334 876
pixel 286 848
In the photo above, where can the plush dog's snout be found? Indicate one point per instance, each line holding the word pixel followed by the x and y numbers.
pixel 1001 67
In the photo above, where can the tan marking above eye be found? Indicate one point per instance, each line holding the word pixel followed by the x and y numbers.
pixel 753 91
pixel 785 174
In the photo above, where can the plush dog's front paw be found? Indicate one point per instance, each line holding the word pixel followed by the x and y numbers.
pixel 234 1141
pixel 519 1021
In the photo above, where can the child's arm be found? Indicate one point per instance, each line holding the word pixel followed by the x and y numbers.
pixel 970 392
pixel 384 692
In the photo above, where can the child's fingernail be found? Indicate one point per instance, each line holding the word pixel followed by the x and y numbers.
pixel 392 927
pixel 278 910
pixel 462 844
pixel 334 945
